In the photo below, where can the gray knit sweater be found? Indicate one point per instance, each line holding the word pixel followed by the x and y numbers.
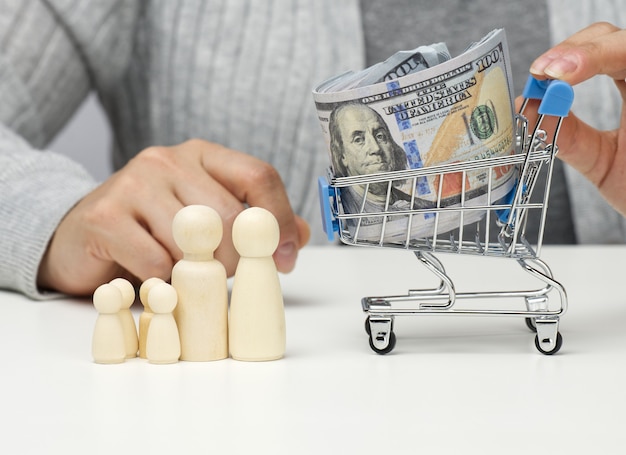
pixel 235 72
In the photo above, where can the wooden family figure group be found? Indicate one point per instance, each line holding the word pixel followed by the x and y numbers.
pixel 190 319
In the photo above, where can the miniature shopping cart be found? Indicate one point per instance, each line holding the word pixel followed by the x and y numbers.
pixel 501 230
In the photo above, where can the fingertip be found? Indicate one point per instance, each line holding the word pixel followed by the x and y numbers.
pixel 285 257
pixel 537 68
pixel 304 231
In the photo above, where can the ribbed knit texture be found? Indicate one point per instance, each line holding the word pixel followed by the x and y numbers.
pixel 238 73
pixel 234 72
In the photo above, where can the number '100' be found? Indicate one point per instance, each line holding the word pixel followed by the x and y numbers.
pixel 488 60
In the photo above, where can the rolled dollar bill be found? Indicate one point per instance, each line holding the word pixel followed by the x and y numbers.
pixel 455 111
pixel 398 65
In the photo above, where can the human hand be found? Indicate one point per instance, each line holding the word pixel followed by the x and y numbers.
pixel 599 155
pixel 124 227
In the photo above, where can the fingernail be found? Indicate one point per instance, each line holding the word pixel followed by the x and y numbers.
pixel 286 255
pixel 540 64
pixel 561 67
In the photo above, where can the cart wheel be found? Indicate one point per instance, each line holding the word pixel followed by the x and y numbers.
pixel 559 342
pixel 386 350
pixel 530 323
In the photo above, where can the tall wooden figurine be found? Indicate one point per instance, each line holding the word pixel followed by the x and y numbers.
pixel 163 342
pixel 200 281
pixel 257 315
pixel 126 316
pixel 107 344
pixel 146 315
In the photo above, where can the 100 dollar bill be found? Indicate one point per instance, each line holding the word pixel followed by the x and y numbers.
pixel 458 110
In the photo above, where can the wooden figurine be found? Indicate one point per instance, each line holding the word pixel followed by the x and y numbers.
pixel 200 281
pixel 146 315
pixel 126 316
pixel 108 336
pixel 163 342
pixel 257 315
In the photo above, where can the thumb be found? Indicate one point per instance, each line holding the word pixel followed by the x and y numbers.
pixel 287 252
pixel 589 151
pixel 583 147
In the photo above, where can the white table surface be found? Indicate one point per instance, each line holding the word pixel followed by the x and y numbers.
pixel 453 385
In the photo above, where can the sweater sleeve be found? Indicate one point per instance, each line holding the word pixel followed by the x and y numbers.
pixel 37 189
pixel 43 79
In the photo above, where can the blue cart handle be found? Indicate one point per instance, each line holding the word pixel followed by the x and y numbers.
pixel 556 96
pixel 329 223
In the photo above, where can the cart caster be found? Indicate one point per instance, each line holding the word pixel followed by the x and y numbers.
pixel 553 348
pixel 368 327
pixel 531 324
pixel 548 339
pixel 381 337
pixel 386 350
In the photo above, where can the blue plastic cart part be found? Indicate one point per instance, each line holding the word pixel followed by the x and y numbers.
pixel 556 96
pixel 507 199
pixel 535 88
pixel 329 223
pixel 557 100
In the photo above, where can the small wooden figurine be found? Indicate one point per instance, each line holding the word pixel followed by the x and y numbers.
pixel 108 336
pixel 126 316
pixel 146 315
pixel 163 343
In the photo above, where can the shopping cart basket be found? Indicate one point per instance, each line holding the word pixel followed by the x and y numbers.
pixel 501 229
